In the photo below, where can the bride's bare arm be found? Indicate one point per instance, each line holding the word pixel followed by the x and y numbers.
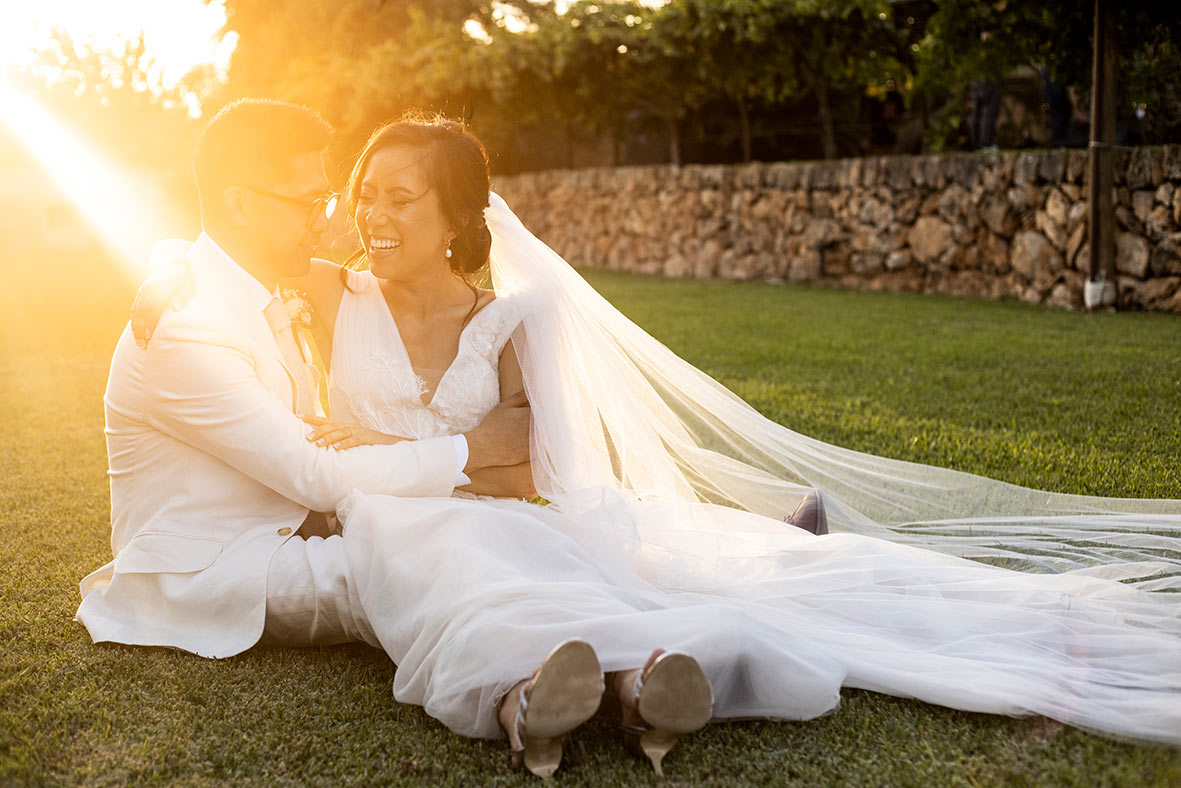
pixel 506 481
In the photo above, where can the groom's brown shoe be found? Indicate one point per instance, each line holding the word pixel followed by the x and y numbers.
pixel 810 515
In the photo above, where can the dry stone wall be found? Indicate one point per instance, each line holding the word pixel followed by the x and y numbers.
pixel 1001 225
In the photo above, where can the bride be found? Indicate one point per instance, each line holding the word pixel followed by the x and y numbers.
pixel 664 528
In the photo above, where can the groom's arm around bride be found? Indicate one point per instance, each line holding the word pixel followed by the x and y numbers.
pixel 210 471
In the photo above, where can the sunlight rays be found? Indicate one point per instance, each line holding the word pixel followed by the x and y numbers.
pixel 125 210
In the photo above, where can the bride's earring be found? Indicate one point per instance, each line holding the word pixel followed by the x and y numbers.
pixel 447 251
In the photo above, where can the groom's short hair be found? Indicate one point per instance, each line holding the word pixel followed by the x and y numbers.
pixel 252 142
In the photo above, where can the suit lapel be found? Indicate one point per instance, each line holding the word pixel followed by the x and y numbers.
pixel 223 285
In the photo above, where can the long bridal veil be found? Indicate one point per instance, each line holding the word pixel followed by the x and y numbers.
pixel 624 413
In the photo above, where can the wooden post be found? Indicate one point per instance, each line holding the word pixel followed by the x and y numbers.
pixel 1100 287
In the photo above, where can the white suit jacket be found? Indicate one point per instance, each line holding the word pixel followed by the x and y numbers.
pixel 210 472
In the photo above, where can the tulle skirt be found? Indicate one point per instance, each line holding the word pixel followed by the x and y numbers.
pixel 467 597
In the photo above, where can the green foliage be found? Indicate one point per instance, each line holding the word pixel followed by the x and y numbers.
pixel 1076 402
pixel 970 40
pixel 558 84
pixel 581 72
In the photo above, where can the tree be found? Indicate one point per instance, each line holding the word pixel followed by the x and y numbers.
pixel 969 40
pixel 117 97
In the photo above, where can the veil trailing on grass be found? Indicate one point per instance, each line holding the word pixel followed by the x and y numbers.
pixel 615 409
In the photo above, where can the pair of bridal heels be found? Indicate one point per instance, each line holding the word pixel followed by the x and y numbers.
pixel 673 698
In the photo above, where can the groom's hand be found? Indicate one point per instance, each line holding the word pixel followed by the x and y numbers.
pixel 502 438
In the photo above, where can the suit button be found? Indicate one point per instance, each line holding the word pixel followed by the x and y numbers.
pixel 284 531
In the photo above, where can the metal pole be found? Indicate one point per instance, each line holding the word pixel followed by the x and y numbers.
pixel 1100 287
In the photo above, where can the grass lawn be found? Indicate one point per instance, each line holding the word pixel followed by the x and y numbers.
pixel 1074 402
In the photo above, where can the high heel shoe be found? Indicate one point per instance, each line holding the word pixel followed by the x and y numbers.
pixel 565 692
pixel 673 697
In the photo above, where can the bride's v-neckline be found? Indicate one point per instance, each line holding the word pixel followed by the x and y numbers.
pixel 405 352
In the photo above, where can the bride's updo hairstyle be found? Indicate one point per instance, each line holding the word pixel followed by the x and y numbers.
pixel 456 167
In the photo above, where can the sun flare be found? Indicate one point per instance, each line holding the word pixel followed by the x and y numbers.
pixel 179 35
pixel 125 211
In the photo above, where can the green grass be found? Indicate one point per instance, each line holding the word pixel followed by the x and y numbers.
pixel 1075 402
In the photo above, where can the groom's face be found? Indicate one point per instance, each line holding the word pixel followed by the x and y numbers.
pixel 284 232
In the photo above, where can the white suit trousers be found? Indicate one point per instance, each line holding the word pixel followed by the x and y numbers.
pixel 311 597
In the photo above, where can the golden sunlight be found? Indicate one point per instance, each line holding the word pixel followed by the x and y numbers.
pixel 126 212
pixel 179 35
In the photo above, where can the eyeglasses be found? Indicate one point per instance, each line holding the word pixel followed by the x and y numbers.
pixel 321 207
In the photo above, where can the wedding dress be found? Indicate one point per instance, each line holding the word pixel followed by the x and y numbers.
pixel 656 537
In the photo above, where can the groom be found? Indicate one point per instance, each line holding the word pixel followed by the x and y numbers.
pixel 212 478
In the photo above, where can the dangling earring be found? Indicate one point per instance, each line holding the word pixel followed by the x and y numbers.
pixel 447 251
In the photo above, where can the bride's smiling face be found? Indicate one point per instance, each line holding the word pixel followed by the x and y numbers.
pixel 399 218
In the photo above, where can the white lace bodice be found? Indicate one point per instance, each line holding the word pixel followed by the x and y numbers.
pixel 373 384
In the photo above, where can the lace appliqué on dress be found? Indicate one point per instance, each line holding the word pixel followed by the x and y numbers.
pixel 374 384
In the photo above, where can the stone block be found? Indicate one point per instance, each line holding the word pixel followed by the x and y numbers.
pixel 1131 254
pixel 1057 206
pixel 1120 158
pixel 1142 170
pixel 1170 304
pixel 1166 257
pixel 953 203
pixel 1065 295
pixel 1142 202
pixel 1159 223
pixel 1145 294
pixel 930 204
pixel 1025 198
pixel 1158 289
pixel 898 259
pixel 994 253
pixel 866 263
pixel 1127 220
pixel 1171 162
pixel 1025 171
pixel 1032 253
pixel 1052 166
pixel 875 213
pixel 1076 166
pixel 1074 243
pixel 1051 229
pixel 897 173
pixel 821 232
pixel 835 260
pixel 929 238
pixel 997 213
pixel 908 208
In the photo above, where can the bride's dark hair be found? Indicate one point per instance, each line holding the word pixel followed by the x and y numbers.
pixel 456 166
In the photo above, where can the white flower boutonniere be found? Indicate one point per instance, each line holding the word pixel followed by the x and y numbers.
pixel 299 309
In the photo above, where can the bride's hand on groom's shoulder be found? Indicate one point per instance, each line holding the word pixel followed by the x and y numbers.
pixel 342 435
pixel 171 284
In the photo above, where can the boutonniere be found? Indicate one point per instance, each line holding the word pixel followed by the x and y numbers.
pixel 299 309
